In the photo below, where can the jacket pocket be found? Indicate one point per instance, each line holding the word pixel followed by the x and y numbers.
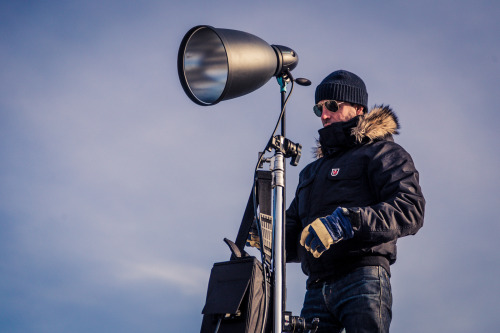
pixel 344 186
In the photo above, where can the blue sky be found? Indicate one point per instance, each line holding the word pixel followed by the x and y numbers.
pixel 116 190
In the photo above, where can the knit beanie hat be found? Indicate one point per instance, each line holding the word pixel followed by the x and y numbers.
pixel 343 86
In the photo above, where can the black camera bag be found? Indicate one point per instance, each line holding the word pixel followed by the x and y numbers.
pixel 236 298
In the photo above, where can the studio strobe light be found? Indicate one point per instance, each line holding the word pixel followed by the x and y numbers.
pixel 216 65
pixel 220 64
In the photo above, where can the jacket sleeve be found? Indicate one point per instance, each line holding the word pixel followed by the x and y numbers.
pixel 400 204
pixel 293 228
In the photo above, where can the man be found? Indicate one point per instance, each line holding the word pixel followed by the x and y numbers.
pixel 350 207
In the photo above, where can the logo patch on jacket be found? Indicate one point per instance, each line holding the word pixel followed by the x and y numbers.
pixel 335 171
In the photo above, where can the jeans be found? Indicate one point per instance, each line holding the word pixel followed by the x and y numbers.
pixel 359 301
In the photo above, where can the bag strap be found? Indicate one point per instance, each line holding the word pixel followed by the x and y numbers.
pixel 235 251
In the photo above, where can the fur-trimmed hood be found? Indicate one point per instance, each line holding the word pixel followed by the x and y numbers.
pixel 380 123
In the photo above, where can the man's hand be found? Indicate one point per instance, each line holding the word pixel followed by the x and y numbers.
pixel 318 236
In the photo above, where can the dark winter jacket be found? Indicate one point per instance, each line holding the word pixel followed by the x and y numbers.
pixel 359 167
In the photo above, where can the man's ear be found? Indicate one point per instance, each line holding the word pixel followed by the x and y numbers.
pixel 359 110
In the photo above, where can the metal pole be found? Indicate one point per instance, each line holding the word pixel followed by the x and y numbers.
pixel 278 259
pixel 279 179
pixel 283 196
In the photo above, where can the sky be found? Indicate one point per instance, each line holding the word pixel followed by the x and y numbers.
pixel 116 190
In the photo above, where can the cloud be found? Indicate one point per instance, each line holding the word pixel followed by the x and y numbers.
pixel 189 279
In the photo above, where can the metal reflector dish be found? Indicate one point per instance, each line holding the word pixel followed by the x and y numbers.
pixel 220 64
pixel 205 67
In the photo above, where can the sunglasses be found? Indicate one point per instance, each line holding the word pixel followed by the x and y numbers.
pixel 330 105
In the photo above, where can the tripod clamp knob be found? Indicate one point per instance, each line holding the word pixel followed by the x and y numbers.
pixel 287 147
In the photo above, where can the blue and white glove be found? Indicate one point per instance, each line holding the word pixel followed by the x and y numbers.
pixel 318 236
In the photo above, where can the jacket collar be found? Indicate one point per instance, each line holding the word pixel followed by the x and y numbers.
pixel 379 124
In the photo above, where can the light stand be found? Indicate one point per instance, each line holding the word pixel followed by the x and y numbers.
pixel 220 64
pixel 283 148
pixel 279 256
